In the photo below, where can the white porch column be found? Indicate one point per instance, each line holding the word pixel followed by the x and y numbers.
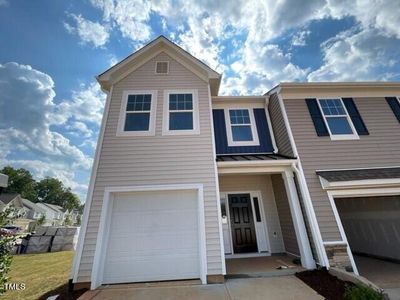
pixel 307 260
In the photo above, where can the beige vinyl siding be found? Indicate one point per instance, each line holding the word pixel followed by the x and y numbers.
pixel 379 149
pixel 278 125
pixel 244 183
pixel 285 217
pixel 157 160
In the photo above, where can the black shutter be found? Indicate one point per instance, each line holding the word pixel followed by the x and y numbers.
pixel 355 116
pixel 317 117
pixel 394 105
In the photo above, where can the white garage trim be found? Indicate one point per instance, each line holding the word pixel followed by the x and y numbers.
pixel 354 193
pixel 103 232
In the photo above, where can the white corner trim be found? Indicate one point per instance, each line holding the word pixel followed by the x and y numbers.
pixel 88 203
pixel 352 184
pixel 123 112
pixel 102 234
pixel 221 238
pixel 195 111
pixel 253 125
pixel 339 137
pixel 308 205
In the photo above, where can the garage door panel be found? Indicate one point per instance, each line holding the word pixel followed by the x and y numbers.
pixel 372 224
pixel 153 236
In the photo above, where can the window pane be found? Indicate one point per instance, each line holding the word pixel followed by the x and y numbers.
pixel 137 122
pixel 180 102
pixel 180 121
pixel 332 107
pixel 139 103
pixel 339 125
pixel 239 116
pixel 242 133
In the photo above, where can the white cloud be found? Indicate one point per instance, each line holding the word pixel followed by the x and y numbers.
pixel 29 115
pixel 299 39
pixel 4 3
pixel 356 56
pixel 130 17
pixel 89 32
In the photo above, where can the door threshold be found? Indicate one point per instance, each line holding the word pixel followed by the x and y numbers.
pixel 247 255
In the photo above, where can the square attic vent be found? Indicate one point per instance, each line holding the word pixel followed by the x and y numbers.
pixel 162 67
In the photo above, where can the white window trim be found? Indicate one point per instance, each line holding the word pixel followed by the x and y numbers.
pixel 195 111
pixel 335 137
pixel 122 114
pixel 161 61
pixel 231 142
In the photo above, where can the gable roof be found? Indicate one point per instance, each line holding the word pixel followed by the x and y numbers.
pixel 144 54
pixel 8 197
pixel 32 206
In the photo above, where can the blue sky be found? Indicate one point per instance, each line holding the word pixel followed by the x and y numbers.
pixel 51 50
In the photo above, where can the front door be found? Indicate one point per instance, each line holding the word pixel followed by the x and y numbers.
pixel 242 223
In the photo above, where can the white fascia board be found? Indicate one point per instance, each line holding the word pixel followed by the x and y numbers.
pixel 351 184
pixel 253 163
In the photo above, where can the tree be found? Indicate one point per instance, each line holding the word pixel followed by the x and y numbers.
pixel 70 200
pixel 41 220
pixel 7 242
pixel 20 181
pixel 67 221
pixel 52 191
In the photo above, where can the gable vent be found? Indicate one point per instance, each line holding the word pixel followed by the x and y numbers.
pixel 162 67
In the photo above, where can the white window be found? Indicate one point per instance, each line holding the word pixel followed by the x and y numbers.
pixel 181 112
pixel 241 127
pixel 337 119
pixel 137 116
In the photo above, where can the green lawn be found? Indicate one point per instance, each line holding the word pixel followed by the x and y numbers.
pixel 41 273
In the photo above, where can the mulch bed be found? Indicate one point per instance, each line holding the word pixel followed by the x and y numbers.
pixel 324 283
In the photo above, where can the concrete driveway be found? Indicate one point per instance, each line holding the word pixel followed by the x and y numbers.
pixel 287 287
pixel 384 274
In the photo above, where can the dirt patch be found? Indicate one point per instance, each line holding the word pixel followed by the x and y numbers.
pixel 331 287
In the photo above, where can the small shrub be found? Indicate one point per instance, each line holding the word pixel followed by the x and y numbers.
pixel 362 292
pixel 7 242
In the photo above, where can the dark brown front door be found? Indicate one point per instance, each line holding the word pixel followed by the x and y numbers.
pixel 242 224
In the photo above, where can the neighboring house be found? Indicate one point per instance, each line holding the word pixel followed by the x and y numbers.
pixel 55 214
pixel 33 211
pixel 8 200
pixel 184 179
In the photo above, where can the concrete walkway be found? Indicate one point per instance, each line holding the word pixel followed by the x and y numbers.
pixel 286 287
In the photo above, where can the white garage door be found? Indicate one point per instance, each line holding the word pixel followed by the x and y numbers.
pixel 153 236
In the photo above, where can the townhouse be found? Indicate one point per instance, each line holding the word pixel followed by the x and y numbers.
pixel 185 181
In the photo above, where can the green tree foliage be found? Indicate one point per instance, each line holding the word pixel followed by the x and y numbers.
pixel 48 190
pixel 41 220
pixel 6 245
pixel 20 181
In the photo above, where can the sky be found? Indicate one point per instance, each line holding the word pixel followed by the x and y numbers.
pixel 51 50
